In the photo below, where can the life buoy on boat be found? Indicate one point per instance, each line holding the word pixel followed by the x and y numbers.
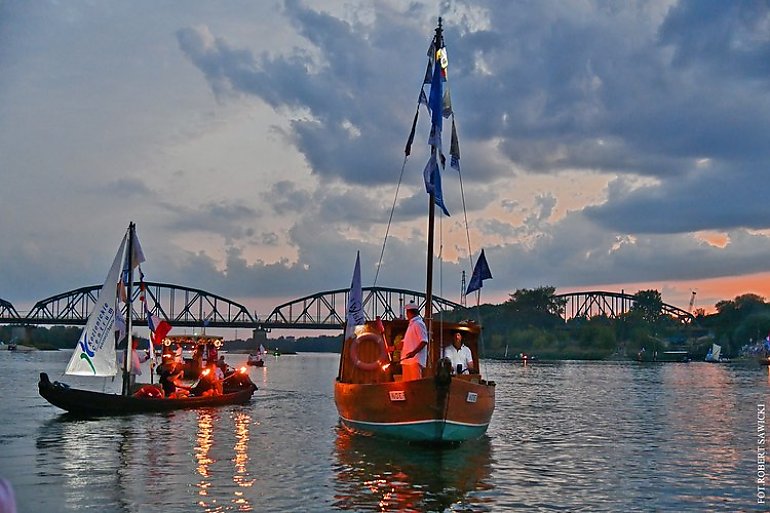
pixel 150 391
pixel 368 366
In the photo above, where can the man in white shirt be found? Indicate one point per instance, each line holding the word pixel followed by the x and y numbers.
pixel 460 355
pixel 414 352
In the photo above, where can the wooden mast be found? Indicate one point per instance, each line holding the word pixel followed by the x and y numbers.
pixel 129 277
pixel 433 349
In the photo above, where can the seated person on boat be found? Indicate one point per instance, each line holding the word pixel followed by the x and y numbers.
pixel 170 381
pixel 210 382
pixel 459 355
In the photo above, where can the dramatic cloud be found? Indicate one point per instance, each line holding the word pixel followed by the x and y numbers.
pixel 259 145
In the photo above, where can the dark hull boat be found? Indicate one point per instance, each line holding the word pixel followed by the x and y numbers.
pixel 95 355
pixel 95 404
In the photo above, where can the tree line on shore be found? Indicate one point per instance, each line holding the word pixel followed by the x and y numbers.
pixel 532 322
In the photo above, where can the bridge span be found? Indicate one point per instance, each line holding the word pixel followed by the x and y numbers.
pixel 195 308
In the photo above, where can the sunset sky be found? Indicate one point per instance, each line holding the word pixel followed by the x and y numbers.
pixel 258 145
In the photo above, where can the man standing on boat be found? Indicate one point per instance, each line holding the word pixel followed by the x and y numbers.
pixel 415 349
pixel 137 359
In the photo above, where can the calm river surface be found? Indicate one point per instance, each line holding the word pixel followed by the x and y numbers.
pixel 567 436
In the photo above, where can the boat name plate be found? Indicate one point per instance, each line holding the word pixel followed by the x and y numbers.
pixel 397 395
pixel 472 396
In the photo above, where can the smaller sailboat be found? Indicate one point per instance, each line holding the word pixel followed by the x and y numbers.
pixel 96 355
pixel 257 359
pixel 715 355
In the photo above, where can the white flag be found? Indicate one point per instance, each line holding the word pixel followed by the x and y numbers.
pixel 355 315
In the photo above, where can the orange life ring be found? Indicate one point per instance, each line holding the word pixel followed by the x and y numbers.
pixel 368 366
pixel 150 391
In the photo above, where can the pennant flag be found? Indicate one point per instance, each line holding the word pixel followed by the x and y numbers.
pixel 454 148
pixel 436 100
pixel 480 273
pixel 355 315
pixel 446 104
pixel 423 99
pixel 408 148
pixel 432 177
pixel 137 255
pixel 429 70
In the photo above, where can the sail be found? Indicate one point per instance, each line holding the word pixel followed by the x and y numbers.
pixel 716 351
pixel 95 352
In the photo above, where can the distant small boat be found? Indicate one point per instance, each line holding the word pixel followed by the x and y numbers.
pixel 663 356
pixel 715 355
pixel 523 357
pixel 256 360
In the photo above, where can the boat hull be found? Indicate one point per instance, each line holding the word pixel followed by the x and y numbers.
pixel 418 411
pixel 94 404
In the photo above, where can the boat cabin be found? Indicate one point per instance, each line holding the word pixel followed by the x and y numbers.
pixel 191 352
pixel 372 355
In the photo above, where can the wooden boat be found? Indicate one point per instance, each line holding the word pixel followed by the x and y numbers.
pixel 256 360
pixel 95 404
pixel 190 352
pixel 663 356
pixel 371 397
pixel 96 354
pixel 714 355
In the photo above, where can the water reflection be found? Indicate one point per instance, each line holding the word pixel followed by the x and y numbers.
pixel 373 474
pixel 205 439
pixel 211 454
pixel 75 460
pixel 242 477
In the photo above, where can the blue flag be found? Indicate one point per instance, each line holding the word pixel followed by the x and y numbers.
pixel 436 102
pixel 432 176
pixel 480 273
pixel 355 314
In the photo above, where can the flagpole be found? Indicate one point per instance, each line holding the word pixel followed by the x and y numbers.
pixel 129 279
pixel 433 349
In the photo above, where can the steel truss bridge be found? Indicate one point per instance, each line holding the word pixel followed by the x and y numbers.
pixel 612 305
pixel 195 308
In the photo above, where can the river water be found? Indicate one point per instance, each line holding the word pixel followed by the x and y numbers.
pixel 566 436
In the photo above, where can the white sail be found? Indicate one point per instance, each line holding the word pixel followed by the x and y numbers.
pixel 95 352
pixel 716 352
